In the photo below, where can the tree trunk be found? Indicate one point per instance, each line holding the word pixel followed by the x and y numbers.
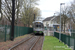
pixel 64 21
pixel 61 28
pixel 64 26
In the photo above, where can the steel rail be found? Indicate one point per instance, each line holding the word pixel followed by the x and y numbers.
pixel 34 44
pixel 20 43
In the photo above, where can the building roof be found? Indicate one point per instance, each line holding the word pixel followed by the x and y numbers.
pixel 48 18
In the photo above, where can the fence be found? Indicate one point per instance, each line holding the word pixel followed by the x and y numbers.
pixel 5 31
pixel 72 33
pixel 70 41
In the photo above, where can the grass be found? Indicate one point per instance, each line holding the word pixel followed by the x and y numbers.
pixel 52 43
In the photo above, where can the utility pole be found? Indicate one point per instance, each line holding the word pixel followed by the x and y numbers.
pixel 0 9
pixel 0 6
pixel 12 23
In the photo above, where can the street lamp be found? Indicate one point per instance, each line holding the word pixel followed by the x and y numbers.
pixel 60 22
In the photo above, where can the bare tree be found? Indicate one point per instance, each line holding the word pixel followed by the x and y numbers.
pixel 64 18
pixel 29 10
pixel 7 9
pixel 71 11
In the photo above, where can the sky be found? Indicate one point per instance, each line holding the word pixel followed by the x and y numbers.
pixel 49 7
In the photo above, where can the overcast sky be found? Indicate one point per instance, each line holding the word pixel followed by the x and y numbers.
pixel 49 7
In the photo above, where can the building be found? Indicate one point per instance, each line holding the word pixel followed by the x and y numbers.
pixel 50 23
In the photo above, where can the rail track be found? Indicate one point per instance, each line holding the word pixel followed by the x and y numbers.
pixel 32 43
pixel 38 45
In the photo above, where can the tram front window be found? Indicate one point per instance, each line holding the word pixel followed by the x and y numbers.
pixel 38 26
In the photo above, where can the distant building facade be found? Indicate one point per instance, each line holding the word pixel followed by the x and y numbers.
pixel 50 23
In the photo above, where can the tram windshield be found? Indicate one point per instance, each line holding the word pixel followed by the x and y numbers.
pixel 38 25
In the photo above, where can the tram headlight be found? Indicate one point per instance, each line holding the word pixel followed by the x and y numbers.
pixel 34 31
